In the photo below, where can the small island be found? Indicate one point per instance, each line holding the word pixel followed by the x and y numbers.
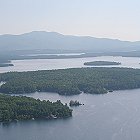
pixel 74 103
pixel 14 108
pixel 101 63
pixel 5 65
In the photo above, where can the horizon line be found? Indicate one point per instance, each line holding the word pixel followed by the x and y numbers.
pixel 18 34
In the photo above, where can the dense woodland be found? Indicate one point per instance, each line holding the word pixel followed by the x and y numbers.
pixel 71 81
pixel 101 63
pixel 23 108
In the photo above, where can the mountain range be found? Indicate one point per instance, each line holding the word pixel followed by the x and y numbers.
pixel 56 41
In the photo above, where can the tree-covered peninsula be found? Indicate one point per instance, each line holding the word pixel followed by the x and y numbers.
pixel 101 63
pixel 71 81
pixel 24 108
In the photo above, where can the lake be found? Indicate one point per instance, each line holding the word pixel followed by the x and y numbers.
pixel 49 64
pixel 112 116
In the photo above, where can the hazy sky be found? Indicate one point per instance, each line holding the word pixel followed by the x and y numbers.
pixel 99 18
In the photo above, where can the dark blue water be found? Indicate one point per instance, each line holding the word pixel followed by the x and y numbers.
pixel 113 116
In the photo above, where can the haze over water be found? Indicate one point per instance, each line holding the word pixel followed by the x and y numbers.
pixel 49 64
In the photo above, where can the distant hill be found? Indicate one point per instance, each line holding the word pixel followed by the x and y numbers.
pixel 53 40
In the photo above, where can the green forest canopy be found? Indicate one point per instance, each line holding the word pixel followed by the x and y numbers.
pixel 23 108
pixel 101 63
pixel 71 81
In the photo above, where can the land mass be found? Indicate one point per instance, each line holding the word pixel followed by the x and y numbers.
pixel 75 103
pixel 19 47
pixel 71 81
pixel 101 63
pixel 5 62
pixel 25 108
pixel 40 40
pixel 5 65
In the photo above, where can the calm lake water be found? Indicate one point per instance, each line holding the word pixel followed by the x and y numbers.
pixel 113 116
pixel 49 64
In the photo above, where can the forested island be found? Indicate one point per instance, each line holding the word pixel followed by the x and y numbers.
pixel 71 81
pixel 25 108
pixel 74 103
pixel 5 63
pixel 101 63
